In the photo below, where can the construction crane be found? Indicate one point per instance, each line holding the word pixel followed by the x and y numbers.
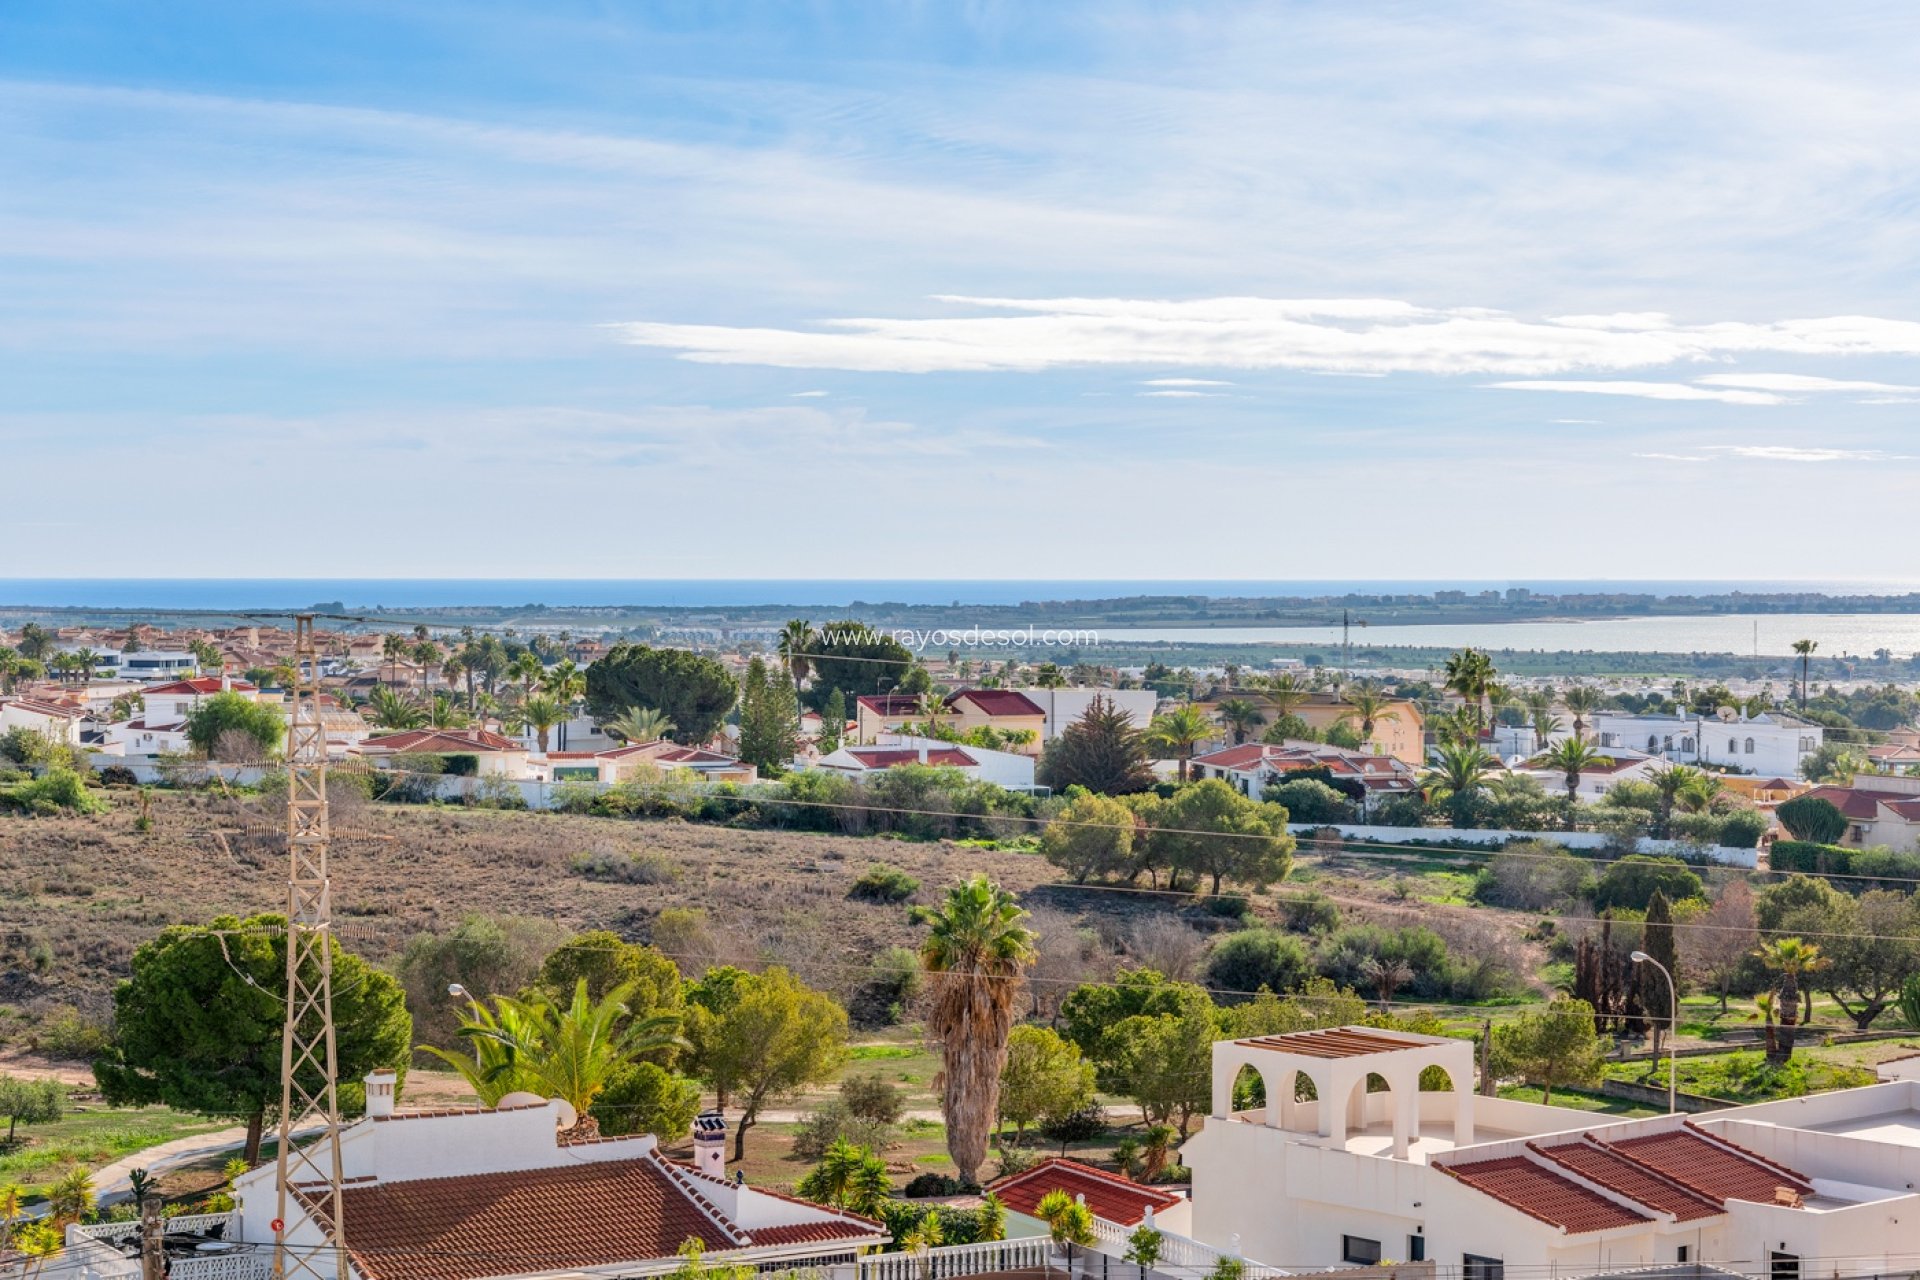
pixel 309 1229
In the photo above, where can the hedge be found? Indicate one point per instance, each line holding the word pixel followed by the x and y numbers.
pixel 1871 865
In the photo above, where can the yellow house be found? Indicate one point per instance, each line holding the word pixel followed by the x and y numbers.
pixel 1398 731
pixel 1003 710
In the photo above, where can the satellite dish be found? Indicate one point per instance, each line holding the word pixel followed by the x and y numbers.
pixel 519 1098
pixel 567 1117
pixel 1727 714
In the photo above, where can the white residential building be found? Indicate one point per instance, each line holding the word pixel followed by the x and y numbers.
pixel 1002 768
pixel 1617 765
pixel 1376 1168
pixel 1063 706
pixel 49 719
pixel 1771 743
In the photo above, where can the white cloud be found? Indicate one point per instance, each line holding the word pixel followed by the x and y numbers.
pixel 808 395
pixel 1180 395
pixel 1888 400
pixel 1185 382
pixel 1673 457
pixel 1576 422
pixel 1646 391
pixel 1795 382
pixel 1795 453
pixel 1363 335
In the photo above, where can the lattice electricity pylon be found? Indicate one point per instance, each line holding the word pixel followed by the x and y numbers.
pixel 309 1230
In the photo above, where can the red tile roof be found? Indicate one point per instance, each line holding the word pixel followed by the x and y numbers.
pixel 1593 1161
pixel 1336 1042
pixel 1118 1199
pixel 1542 1193
pixel 1711 1166
pixel 199 684
pixel 441 741
pixel 588 1215
pixel 888 757
pixel 890 704
pixel 998 702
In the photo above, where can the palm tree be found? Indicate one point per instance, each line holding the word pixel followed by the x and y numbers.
pixel 70 1197
pixel 1699 792
pixel 1672 781
pixel 395 711
pixel 527 669
pixel 393 648
pixel 639 724
pixel 1571 757
pixel 1180 731
pixel 1387 977
pixel 1581 701
pixel 445 713
pixel 570 1053
pixel 1068 1220
pixel 1369 706
pixel 1285 693
pixel 1456 777
pixel 848 1177
pixel 565 681
pixel 976 956
pixel 491 1069
pixel 540 712
pixel 1156 1147
pixel 86 660
pixel 1241 716
pixel 1470 673
pixel 1794 958
pixel 1805 649
pixel 798 643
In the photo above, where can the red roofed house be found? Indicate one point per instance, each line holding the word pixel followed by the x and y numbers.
pixel 474 1193
pixel 494 755
pixel 1111 1197
pixel 49 719
pixel 618 764
pixel 1004 710
pixel 1880 809
pixel 1253 766
pixel 1616 765
pixel 1390 1155
pixel 160 726
pixel 875 714
pixel 1002 768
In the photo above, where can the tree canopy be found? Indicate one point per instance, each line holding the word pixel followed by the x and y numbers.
pixel 760 1037
pixel 231 724
pixel 855 659
pixel 694 692
pixel 1102 751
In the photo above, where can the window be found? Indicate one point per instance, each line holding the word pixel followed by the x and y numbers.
pixel 1783 1266
pixel 1653 744
pixel 1683 1254
pixel 1359 1249
pixel 1749 746
pixel 1733 745
pixel 1475 1267
pixel 1686 744
pixel 1666 743
pixel 1416 1248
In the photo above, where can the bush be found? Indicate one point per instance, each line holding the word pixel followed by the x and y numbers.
pixel 626 868
pixel 1531 875
pixel 644 1097
pixel 1813 819
pixel 58 790
pixel 821 1128
pixel 1631 883
pixel 1743 829
pixel 882 883
pixel 1081 1125
pixel 1310 912
pixel 65 1032
pixel 1256 958
pixel 1310 802
pixel 1227 906
pixel 872 1098
pixel 926 1186
pixel 1342 957
pixel 118 775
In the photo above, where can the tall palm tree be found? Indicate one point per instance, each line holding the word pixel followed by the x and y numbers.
pixel 1285 693
pixel 798 643
pixel 540 713
pixel 1470 673
pixel 86 660
pixel 1793 959
pixel 395 711
pixel 1805 649
pixel 565 681
pixel 1672 782
pixel 1241 716
pixel 527 669
pixel 1456 777
pixel 570 1053
pixel 976 956
pixel 1180 731
pixel 446 713
pixel 1367 705
pixel 639 724
pixel 1570 757
pixel 1581 701
pixel 393 647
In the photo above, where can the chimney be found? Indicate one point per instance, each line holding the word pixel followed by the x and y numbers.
pixel 226 681
pixel 710 1144
pixel 380 1089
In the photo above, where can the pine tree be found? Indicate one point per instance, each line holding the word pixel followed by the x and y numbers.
pixel 833 721
pixel 1656 939
pixel 769 718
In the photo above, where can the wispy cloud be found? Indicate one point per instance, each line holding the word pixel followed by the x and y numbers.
pixel 1185 382
pixel 1797 453
pixel 808 395
pixel 1645 391
pixel 1791 382
pixel 1673 457
pixel 1366 335
pixel 1180 395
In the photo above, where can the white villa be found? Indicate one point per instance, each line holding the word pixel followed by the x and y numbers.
pixel 1771 743
pixel 1373 1168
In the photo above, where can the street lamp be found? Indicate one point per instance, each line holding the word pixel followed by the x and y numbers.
pixel 1673 1021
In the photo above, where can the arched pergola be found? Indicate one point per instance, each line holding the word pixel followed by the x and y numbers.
pixel 1338 1062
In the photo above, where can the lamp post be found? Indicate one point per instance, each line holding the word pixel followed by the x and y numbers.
pixel 1673 1022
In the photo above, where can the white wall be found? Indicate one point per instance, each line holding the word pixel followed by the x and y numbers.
pixel 1571 839
pixel 1777 751
pixel 1064 706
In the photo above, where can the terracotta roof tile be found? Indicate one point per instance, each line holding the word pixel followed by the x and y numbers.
pixel 1711 1166
pixel 998 702
pixel 1542 1193
pixel 1111 1196
pixel 1616 1173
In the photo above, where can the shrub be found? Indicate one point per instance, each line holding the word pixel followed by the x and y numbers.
pixel 927 1185
pixel 1531 875
pixel 118 775
pixel 1081 1125
pixel 832 1121
pixel 646 867
pixel 65 1032
pixel 1256 958
pixel 1743 829
pixel 872 1098
pixel 1631 882
pixel 882 883
pixel 1310 912
pixel 58 789
pixel 1310 802
pixel 1813 819
pixel 1342 957
pixel 644 1097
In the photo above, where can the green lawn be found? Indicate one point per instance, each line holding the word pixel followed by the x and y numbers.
pixel 93 1137
pixel 1578 1101
pixel 1747 1076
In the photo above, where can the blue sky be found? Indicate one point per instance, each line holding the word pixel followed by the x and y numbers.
pixel 954 289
